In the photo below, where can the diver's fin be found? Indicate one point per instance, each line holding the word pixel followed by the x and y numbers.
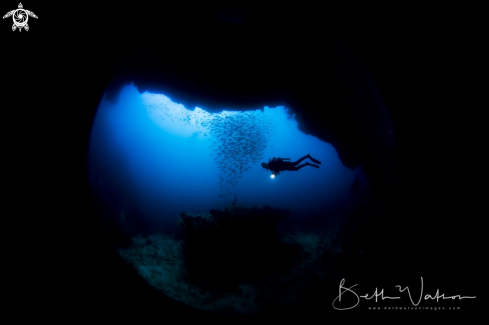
pixel 314 160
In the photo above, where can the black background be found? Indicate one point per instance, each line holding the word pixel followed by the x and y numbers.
pixel 424 61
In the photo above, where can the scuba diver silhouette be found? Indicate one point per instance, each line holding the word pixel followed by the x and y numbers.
pixel 276 165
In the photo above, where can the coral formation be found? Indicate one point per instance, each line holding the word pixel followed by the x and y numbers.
pixel 234 245
pixel 244 261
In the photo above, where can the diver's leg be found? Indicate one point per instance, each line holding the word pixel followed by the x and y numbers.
pixel 294 168
pixel 311 165
pixel 313 160
pixel 299 161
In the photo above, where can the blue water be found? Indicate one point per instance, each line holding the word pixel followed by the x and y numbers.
pixel 159 158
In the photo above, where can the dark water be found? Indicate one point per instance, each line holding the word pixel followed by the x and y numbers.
pixel 155 158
